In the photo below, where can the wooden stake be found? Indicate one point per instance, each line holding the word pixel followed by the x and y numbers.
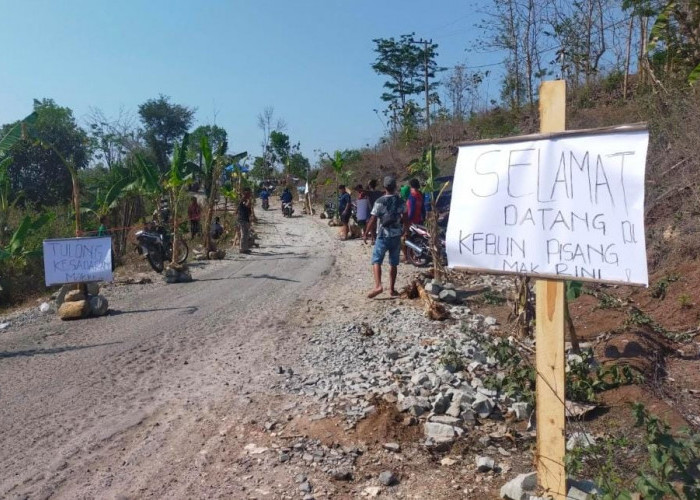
pixel 551 413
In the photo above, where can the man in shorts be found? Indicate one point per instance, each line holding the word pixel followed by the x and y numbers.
pixel 389 215
pixel 344 211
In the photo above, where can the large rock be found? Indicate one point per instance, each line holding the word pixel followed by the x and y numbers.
pixel 355 229
pixel 61 294
pixel 174 275
pixel 441 403
pixel 521 410
pixel 580 440
pixel 98 305
pixel 414 404
pixel 520 487
pixel 74 296
pixel 93 288
pixel 482 405
pixel 582 490
pixel 441 433
pixel 388 478
pixel 449 296
pixel 74 310
pixel 485 464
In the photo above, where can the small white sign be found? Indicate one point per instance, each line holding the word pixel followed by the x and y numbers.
pixel 77 260
pixel 568 207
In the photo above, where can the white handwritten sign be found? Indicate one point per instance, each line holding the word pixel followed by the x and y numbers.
pixel 77 260
pixel 569 206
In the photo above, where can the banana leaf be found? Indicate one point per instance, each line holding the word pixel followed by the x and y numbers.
pixel 15 133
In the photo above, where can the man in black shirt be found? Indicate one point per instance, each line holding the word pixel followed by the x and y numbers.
pixel 244 209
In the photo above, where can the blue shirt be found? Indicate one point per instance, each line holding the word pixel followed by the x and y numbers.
pixel 343 201
pixel 286 196
pixel 264 194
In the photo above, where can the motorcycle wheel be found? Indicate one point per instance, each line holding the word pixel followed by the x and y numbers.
pixel 415 259
pixel 155 259
pixel 184 252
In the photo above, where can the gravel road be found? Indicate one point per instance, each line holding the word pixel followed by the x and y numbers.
pixel 131 405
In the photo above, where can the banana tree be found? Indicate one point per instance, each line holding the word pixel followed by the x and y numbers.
pixel 426 167
pixel 337 163
pixel 181 172
pixel 17 247
pixel 7 201
pixel 107 199
pixel 212 167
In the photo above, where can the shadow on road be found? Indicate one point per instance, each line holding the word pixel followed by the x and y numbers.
pixel 254 276
pixel 185 310
pixel 51 350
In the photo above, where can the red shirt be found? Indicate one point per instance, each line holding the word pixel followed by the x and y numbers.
pixel 193 211
pixel 414 207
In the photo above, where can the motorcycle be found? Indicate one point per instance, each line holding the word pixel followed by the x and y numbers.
pixel 418 246
pixel 265 204
pixel 287 209
pixel 156 244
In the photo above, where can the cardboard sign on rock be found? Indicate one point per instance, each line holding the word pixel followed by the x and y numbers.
pixel 77 260
pixel 567 206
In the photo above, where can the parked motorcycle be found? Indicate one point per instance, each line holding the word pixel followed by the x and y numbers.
pixel 418 246
pixel 287 209
pixel 156 244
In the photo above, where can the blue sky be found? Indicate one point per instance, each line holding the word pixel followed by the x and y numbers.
pixel 310 60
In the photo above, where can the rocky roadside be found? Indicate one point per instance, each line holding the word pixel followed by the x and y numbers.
pixel 440 381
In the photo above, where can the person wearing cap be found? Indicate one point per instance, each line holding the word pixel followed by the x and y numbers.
pixel 389 215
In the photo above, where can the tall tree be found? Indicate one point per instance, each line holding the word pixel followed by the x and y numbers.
pixel 403 63
pixel 515 27
pixel 267 123
pixel 38 168
pixel 164 123
pixel 112 139
pixel 279 148
pixel 216 138
pixel 462 90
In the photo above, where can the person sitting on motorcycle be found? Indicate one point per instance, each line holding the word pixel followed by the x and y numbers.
pixel 216 229
pixel 264 194
pixel 286 196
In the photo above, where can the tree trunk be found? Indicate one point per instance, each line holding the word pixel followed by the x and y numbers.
pixel 627 59
pixel 76 200
pixel 208 216
pixel 572 331
pixel 176 237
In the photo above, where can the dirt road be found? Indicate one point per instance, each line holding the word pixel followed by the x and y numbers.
pixel 136 404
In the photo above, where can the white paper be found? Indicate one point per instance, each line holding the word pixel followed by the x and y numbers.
pixel 77 260
pixel 571 207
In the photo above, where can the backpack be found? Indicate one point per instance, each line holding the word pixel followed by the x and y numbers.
pixel 392 217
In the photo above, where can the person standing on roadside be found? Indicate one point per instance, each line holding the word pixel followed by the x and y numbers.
pixel 363 207
pixel 389 215
pixel 344 211
pixel 194 213
pixel 373 195
pixel 244 212
pixel 415 209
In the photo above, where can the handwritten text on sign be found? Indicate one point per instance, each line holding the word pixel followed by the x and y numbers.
pixel 77 260
pixel 567 206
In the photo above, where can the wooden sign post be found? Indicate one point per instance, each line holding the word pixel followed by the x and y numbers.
pixel 555 206
pixel 549 336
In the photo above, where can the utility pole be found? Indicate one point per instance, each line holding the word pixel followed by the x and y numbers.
pixel 425 65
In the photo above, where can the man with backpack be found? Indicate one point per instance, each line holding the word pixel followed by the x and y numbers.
pixel 389 215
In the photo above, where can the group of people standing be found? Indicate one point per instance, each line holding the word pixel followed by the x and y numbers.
pixel 385 218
